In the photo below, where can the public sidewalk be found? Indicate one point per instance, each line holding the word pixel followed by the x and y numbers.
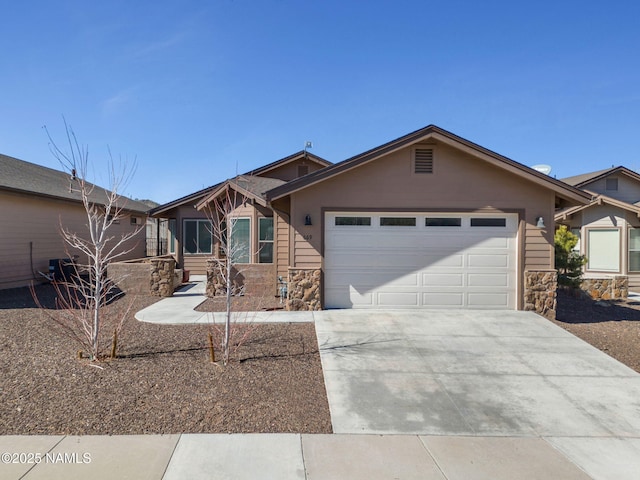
pixel 300 457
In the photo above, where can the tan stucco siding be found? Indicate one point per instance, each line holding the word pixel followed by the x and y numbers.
pixel 30 235
pixel 459 182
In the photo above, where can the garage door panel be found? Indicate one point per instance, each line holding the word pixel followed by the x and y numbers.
pixel 443 279
pixel 409 267
pixel 488 261
pixel 488 280
pixel 493 243
pixel 484 300
pixel 443 299
pixel 362 279
pixel 349 297
pixel 396 260
pixel 448 261
pixel 398 299
pixel 353 238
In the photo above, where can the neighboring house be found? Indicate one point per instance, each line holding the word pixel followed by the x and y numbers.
pixel 426 220
pixel 34 202
pixel 608 226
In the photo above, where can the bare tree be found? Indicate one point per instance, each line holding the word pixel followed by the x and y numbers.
pixel 230 251
pixel 83 294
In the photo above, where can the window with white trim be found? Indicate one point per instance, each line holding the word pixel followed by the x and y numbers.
pixel 196 237
pixel 353 221
pixel 603 249
pixel 240 240
pixel 397 221
pixel 634 249
pixel 265 239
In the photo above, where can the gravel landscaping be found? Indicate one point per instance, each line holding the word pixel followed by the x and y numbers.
pixel 161 382
pixel 613 327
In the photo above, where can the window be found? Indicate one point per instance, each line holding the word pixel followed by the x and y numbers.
pixel 265 236
pixel 603 250
pixel 443 222
pixel 197 236
pixel 240 240
pixel 172 235
pixel 397 221
pixel 612 184
pixel 135 221
pixel 423 160
pixel 488 222
pixel 353 221
pixel 634 250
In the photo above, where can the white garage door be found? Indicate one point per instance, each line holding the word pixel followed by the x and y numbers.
pixel 420 260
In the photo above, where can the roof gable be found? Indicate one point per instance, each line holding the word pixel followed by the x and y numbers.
pixel 433 133
pixel 303 154
pixel 210 192
pixel 588 178
pixel 24 177
pixel 249 186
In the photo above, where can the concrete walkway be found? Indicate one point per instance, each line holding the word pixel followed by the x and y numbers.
pixel 413 394
pixel 179 309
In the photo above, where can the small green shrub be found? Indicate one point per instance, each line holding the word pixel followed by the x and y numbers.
pixel 568 262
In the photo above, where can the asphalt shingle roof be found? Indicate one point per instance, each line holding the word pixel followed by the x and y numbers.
pixel 25 177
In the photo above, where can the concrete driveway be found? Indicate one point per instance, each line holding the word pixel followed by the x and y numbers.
pixel 480 374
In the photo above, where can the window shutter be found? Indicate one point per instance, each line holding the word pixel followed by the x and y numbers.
pixel 423 161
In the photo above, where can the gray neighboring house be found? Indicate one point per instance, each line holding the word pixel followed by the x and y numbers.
pixel 34 202
pixel 609 225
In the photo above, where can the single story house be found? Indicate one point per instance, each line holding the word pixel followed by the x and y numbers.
pixel 34 202
pixel 426 220
pixel 609 225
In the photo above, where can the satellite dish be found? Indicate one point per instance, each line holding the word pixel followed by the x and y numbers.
pixel 546 169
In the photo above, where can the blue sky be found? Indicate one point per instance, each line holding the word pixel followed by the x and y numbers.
pixel 197 90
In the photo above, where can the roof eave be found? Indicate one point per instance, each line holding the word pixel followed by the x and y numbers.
pixel 596 201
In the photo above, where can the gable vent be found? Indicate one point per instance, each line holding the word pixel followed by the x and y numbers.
pixel 423 160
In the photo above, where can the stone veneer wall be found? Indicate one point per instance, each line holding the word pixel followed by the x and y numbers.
pixel 149 276
pixel 540 292
pixel 257 279
pixel 304 289
pixel 606 288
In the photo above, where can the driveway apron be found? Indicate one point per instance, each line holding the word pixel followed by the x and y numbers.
pixel 489 373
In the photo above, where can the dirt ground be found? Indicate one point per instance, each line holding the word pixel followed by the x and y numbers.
pixel 161 382
pixel 613 327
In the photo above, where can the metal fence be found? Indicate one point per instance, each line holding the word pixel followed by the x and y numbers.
pixel 156 247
